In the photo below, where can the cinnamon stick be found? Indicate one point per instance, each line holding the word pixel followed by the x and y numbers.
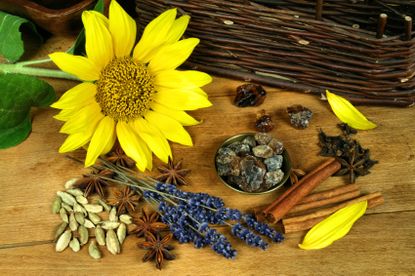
pixel 324 202
pixel 330 193
pixel 290 227
pixel 276 210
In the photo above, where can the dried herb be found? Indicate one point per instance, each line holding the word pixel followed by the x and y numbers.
pixel 93 183
pixel 173 173
pixel 126 200
pixel 147 223
pixel 295 175
pixel 118 157
pixel 355 160
pixel 158 249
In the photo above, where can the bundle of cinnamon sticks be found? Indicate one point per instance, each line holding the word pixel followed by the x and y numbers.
pixel 297 210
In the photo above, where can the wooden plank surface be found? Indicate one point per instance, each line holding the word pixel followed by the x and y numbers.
pixel 382 242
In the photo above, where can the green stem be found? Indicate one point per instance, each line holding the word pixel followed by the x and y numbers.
pixel 31 62
pixel 34 71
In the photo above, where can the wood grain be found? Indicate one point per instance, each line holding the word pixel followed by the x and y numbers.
pixel 381 242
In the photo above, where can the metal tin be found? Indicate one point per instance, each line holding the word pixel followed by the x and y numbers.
pixel 286 166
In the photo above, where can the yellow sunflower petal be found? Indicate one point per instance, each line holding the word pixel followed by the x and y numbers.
pixel 79 139
pixel 171 56
pixel 177 29
pixel 65 114
pixel 101 17
pixel 154 35
pixel 170 128
pixel 181 99
pixel 153 138
pixel 81 67
pixel 132 145
pixel 104 135
pixel 83 118
pixel 347 113
pixel 78 96
pixel 123 30
pixel 334 227
pixel 98 43
pixel 182 79
pixel 178 115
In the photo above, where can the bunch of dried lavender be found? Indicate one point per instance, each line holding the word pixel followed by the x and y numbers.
pixel 191 215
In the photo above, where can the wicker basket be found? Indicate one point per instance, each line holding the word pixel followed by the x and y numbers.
pixel 362 50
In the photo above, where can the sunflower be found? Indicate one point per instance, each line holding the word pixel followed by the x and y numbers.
pixel 131 92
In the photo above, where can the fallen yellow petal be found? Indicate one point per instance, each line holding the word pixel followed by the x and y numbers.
pixel 334 227
pixel 347 113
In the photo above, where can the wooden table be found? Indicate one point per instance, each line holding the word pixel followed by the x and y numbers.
pixel 381 242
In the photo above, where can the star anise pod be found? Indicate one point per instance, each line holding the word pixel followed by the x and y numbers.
pixel 173 173
pixel 118 157
pixel 93 183
pixel 125 199
pixel 158 248
pixel 147 223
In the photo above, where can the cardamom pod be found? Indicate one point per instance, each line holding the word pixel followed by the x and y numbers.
pixel 105 205
pixel 75 192
pixel 73 225
pixel 63 241
pixel 67 198
pixel 94 251
pixel 83 234
pixel 94 218
pixel 109 224
pixel 112 243
pixel 80 218
pixel 334 227
pixel 81 199
pixel 100 235
pixel 78 208
pixel 113 215
pixel 67 207
pixel 74 245
pixel 63 215
pixel 60 229
pixel 127 219
pixel 70 182
pixel 88 224
pixel 56 205
pixel 93 208
pixel 121 232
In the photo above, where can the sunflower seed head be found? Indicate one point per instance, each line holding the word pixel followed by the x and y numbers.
pixel 121 232
pixel 127 219
pixel 105 205
pixel 112 243
pixel 80 218
pixel 94 251
pixel 60 229
pixel 88 224
pixel 100 235
pixel 81 199
pixel 63 215
pixel 74 245
pixel 94 218
pixel 67 198
pixel 63 241
pixel 73 225
pixel 83 234
pixel 67 207
pixel 69 184
pixel 107 225
pixel 56 205
pixel 93 208
pixel 113 215
pixel 75 192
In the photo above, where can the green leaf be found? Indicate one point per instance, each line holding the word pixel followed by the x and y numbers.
pixel 18 93
pixel 78 48
pixel 11 43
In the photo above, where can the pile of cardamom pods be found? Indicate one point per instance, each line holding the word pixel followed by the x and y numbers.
pixel 79 218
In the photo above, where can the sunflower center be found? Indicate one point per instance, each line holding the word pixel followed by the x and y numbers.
pixel 125 89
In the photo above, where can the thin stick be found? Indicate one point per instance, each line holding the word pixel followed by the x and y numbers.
pixel 383 18
pixel 408 28
pixel 319 9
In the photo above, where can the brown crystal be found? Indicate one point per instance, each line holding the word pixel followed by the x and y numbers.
pixel 249 94
pixel 264 122
pixel 299 115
